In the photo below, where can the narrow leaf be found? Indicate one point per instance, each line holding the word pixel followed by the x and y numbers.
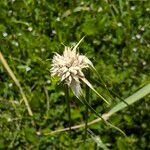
pixel 105 121
pixel 11 74
pixel 90 86
pixel 104 85
pixel 131 99
pixel 93 110
pixel 75 47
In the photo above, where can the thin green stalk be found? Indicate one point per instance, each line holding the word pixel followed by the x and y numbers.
pixel 105 121
pixel 87 96
pixel 93 110
pixel 102 83
pixel 69 111
pixel 68 104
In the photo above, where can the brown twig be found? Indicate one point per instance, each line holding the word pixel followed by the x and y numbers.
pixel 105 117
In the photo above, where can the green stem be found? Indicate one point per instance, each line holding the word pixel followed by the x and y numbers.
pixel 87 96
pixel 68 105
pixel 92 109
pixel 69 112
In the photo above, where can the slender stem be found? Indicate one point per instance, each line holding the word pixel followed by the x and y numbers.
pixel 68 104
pixel 93 110
pixel 87 96
pixel 102 83
pixel 69 112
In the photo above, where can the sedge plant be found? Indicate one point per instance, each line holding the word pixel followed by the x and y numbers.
pixel 69 68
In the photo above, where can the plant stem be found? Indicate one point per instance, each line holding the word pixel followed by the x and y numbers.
pixel 69 112
pixel 87 96
pixel 68 105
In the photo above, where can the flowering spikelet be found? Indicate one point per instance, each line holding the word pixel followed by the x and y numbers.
pixel 68 67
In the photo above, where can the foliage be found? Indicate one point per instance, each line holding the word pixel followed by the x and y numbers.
pixel 116 41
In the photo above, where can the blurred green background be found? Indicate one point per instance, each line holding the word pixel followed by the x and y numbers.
pixel 117 36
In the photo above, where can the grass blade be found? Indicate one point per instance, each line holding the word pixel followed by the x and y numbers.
pixel 93 110
pixel 131 99
pixel 102 83
pixel 100 117
pixel 91 87
pixel 76 46
pixel 11 74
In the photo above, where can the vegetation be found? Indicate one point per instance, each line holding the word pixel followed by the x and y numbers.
pixel 116 41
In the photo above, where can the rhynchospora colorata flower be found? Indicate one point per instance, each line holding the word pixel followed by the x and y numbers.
pixel 69 68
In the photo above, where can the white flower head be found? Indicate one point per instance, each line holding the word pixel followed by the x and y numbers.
pixel 68 67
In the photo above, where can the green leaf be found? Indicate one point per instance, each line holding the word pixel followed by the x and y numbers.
pixel 76 46
pixel 131 99
pixel 91 87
